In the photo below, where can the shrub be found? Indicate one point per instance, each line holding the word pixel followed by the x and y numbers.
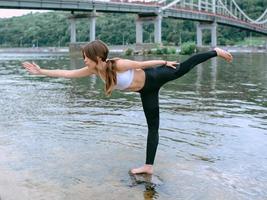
pixel 164 50
pixel 172 50
pixel 188 48
pixel 159 51
pixel 129 52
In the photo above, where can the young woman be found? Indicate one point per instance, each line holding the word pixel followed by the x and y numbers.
pixel 145 77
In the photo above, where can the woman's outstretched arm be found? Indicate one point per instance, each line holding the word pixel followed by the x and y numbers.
pixel 35 69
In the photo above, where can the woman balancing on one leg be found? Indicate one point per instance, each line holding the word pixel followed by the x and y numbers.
pixel 145 77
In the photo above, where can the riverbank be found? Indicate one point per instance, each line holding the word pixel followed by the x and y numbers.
pixel 35 50
pixel 244 49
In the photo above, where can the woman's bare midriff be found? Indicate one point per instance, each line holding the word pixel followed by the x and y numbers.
pixel 138 80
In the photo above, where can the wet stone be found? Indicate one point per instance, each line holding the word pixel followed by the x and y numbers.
pixel 150 181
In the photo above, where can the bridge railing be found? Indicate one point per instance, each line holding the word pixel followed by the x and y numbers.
pixel 226 8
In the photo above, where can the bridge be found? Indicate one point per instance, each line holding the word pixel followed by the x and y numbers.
pixel 208 13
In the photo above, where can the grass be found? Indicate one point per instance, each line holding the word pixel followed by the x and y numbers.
pixel 253 41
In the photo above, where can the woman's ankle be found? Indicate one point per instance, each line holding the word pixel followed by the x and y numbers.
pixel 149 166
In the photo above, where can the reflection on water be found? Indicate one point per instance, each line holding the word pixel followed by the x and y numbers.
pixel 63 139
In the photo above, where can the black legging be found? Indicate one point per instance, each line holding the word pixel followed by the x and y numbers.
pixel 155 78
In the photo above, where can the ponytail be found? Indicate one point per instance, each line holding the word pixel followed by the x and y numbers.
pixel 111 78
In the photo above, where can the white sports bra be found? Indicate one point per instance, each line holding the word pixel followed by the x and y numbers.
pixel 124 79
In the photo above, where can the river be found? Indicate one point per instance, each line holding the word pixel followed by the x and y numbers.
pixel 63 139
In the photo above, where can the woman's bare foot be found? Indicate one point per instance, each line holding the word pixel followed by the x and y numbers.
pixel 147 169
pixel 224 54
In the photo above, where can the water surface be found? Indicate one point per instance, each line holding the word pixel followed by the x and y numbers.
pixel 63 139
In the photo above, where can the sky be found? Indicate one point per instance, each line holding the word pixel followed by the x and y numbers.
pixel 7 13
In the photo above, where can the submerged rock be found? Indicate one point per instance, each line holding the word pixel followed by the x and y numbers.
pixel 150 181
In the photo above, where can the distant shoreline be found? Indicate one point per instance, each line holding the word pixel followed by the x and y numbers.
pixel 119 49
pixel 35 50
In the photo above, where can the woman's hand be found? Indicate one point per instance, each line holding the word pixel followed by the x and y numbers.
pixel 171 64
pixel 32 68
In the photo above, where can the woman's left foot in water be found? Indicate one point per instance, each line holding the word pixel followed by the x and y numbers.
pixel 224 54
pixel 146 169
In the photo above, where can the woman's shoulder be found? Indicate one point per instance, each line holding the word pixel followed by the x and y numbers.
pixel 122 65
pixel 114 59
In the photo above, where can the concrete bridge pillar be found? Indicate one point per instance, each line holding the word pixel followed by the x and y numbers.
pixel 199 36
pixel 92 20
pixel 214 34
pixel 92 28
pixel 157 29
pixel 156 20
pixel 72 29
pixel 212 27
pixel 139 31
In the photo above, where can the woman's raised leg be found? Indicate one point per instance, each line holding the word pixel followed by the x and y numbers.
pixel 166 74
pixel 191 62
pixel 196 59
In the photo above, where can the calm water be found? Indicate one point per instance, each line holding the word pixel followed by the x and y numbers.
pixel 63 139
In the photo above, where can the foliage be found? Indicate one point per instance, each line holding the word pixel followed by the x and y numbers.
pixel 163 50
pixel 35 30
pixel 188 48
pixel 129 52
pixel 253 41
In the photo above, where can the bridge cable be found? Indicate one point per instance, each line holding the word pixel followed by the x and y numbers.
pixel 246 16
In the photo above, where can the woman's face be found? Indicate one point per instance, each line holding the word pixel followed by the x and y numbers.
pixel 88 62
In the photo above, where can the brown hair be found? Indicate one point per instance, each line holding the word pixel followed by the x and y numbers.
pixel 95 49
